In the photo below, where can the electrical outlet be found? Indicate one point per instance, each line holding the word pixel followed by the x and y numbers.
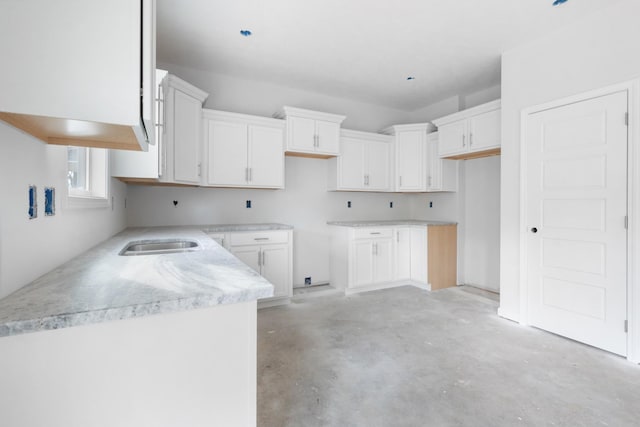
pixel 248 204
pixel 349 204
pixel 307 281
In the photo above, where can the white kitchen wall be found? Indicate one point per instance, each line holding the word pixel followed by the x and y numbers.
pixel 305 204
pixel 599 51
pixel 482 223
pixel 30 248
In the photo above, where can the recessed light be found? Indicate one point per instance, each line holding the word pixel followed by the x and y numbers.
pixel 245 33
pixel 411 78
pixel 559 2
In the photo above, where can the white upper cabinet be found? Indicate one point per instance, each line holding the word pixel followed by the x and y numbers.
pixel 442 175
pixel 311 133
pixel 243 150
pixel 364 163
pixel 471 133
pixel 410 156
pixel 79 72
pixel 176 158
pixel 143 165
pixel 181 151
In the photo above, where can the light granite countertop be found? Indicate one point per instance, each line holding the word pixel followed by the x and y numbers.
pixel 226 228
pixel 100 285
pixel 389 223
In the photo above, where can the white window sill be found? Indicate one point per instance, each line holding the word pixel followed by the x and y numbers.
pixel 75 202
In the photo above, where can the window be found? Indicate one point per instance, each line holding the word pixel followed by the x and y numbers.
pixel 87 177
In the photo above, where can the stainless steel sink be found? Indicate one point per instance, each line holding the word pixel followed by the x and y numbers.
pixel 157 247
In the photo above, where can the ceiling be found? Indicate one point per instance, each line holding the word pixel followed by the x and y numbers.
pixel 359 49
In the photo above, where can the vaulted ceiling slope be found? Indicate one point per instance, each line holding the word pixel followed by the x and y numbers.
pixel 360 49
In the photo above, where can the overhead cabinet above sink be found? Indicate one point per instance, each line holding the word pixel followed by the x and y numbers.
pixel 79 72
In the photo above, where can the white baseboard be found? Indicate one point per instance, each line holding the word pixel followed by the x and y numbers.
pixel 273 302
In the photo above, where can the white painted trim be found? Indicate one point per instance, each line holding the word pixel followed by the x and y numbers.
pixel 632 87
pixel 365 136
pixel 273 302
pixel 469 112
pixel 309 114
pixel 633 231
pixel 393 130
pixel 242 118
pixel 185 87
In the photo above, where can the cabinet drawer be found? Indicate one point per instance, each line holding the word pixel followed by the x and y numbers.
pixel 258 238
pixel 372 233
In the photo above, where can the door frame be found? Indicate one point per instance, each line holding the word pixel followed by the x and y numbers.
pixel 632 88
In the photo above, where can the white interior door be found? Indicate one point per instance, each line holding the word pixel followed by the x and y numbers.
pixel 576 213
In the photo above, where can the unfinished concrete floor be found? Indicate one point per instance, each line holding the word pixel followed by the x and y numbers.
pixel 407 357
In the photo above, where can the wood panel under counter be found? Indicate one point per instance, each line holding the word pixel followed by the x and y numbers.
pixel 442 255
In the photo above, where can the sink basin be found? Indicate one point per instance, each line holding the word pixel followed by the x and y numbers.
pixel 157 247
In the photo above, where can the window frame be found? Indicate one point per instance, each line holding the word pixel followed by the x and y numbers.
pixel 97 173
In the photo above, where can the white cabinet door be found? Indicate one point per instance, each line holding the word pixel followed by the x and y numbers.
pixel 275 268
pixel 453 138
pixel 378 158
pixel 434 164
pixel 352 164
pixel 410 160
pixel 328 137
pixel 227 153
pixel 419 262
pixel 484 131
pixel 403 254
pixel 383 260
pixel 442 175
pixel 186 138
pixel 302 133
pixel 250 255
pixel 266 157
pixel 362 263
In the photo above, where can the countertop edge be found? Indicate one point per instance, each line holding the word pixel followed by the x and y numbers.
pixel 67 320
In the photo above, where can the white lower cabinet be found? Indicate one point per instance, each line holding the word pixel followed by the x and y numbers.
pixel 403 253
pixel 372 261
pixel 269 253
pixel 378 257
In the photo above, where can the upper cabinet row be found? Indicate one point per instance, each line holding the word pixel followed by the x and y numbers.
pixel 405 160
pixel 79 72
pixel 471 133
pixel 206 147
